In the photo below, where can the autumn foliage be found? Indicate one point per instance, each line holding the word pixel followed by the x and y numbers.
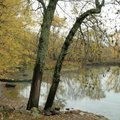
pixel 16 40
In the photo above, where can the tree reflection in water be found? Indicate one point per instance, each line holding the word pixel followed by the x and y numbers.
pixel 113 81
pixel 87 84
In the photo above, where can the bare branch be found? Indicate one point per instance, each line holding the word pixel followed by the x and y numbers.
pixel 117 1
pixel 43 4
pixel 103 3
pixel 97 3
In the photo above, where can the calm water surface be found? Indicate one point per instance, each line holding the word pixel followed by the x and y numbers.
pixel 95 90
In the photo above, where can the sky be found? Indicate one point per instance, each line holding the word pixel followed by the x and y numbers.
pixel 109 18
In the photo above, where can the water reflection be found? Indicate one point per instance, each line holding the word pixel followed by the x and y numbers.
pixel 12 96
pixel 90 89
pixel 79 86
pixel 92 83
pixel 113 81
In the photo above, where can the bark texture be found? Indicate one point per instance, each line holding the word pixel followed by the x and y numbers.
pixel 68 41
pixel 41 53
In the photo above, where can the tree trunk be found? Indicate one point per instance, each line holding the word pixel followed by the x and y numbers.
pixel 41 53
pixel 58 67
pixel 35 88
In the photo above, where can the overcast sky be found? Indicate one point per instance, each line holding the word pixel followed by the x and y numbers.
pixel 110 19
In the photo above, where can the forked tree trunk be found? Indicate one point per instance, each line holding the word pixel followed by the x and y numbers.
pixel 69 38
pixel 41 53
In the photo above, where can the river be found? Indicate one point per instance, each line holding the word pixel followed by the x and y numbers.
pixel 92 89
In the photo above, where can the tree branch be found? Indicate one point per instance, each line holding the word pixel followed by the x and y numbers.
pixel 91 11
pixel 97 3
pixel 102 3
pixel 43 4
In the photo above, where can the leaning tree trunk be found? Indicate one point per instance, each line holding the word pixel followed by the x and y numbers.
pixel 41 53
pixel 69 38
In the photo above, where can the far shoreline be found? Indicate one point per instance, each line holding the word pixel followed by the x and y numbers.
pixel 95 64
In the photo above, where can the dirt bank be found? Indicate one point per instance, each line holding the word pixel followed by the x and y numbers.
pixel 10 113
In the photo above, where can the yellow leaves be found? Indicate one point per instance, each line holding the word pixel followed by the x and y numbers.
pixel 16 42
pixel 58 22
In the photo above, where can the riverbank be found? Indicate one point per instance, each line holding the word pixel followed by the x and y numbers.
pixel 10 113
pixel 26 76
pixel 103 64
pixel 13 110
